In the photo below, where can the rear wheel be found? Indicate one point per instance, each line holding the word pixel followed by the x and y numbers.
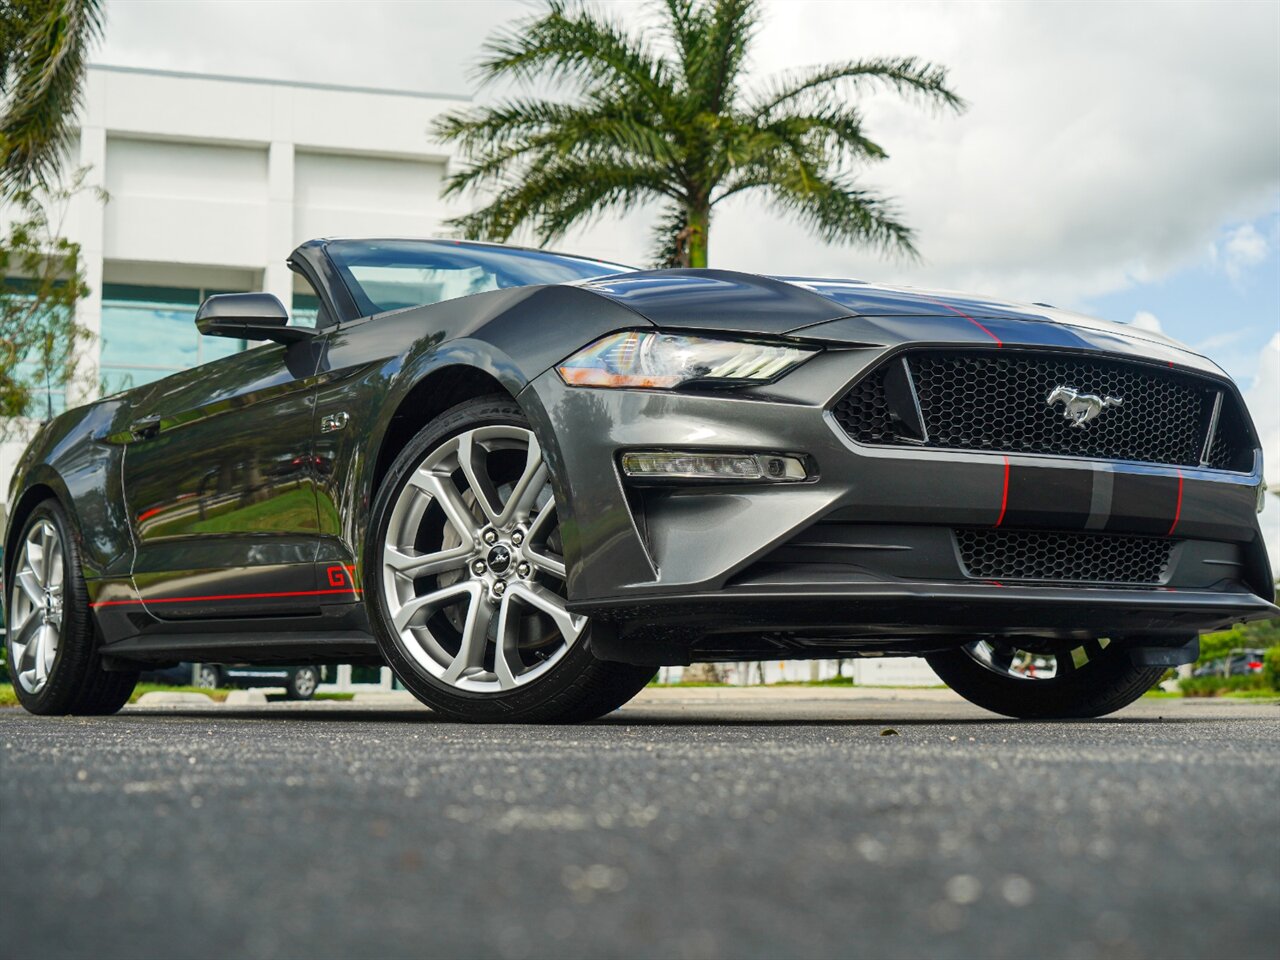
pixel 209 677
pixel 1088 679
pixel 466 577
pixel 54 663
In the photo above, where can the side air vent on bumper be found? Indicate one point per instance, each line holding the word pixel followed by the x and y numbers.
pixel 998 401
pixel 1064 557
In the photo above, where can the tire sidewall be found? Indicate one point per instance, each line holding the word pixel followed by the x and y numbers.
pixel 460 704
pixel 77 629
pixel 1099 687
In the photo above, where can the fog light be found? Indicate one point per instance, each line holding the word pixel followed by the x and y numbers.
pixel 656 465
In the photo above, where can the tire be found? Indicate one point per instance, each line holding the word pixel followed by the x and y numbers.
pixel 444 652
pixel 52 642
pixel 209 678
pixel 1091 680
pixel 302 683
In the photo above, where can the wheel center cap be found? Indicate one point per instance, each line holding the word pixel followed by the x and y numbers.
pixel 499 559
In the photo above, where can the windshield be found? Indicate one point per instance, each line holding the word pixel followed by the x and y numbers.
pixel 391 274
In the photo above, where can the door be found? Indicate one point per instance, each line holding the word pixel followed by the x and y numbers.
pixel 219 479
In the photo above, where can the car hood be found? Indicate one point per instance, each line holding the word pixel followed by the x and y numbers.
pixel 856 313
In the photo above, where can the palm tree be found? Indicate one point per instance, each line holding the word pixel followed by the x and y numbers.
pixel 44 47
pixel 671 117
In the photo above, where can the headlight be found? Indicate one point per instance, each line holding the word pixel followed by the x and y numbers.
pixel 665 360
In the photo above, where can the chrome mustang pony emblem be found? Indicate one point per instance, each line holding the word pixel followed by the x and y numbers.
pixel 1078 407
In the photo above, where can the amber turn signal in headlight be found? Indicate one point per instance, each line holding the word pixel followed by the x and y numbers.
pixel 668 465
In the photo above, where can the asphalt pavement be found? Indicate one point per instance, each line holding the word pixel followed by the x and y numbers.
pixel 794 823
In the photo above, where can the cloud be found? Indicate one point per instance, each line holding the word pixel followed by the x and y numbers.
pixel 1076 171
pixel 1245 247
pixel 1145 320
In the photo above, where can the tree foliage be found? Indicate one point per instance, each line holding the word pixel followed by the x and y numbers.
pixel 40 340
pixel 44 48
pixel 671 118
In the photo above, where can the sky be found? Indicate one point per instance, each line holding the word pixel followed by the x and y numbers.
pixel 1121 159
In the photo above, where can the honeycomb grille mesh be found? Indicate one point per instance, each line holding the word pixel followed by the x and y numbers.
pixel 864 411
pixel 1070 557
pixel 997 401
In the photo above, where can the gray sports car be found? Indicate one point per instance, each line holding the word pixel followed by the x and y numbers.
pixel 524 480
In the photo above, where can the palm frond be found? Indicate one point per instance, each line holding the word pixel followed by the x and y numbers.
pixel 572 43
pixel 47 69
pixel 712 41
pixel 908 76
pixel 839 212
pixel 555 193
pixel 498 138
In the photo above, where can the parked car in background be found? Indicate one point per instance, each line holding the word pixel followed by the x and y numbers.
pixel 299 682
pixel 1238 663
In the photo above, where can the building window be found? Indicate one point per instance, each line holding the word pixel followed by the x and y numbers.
pixel 47 399
pixel 150 332
pixel 306 310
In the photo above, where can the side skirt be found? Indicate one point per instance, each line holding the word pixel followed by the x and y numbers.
pixel 337 647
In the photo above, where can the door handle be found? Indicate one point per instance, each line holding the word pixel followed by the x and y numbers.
pixel 145 429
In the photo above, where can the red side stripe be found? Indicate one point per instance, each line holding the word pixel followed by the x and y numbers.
pixel 225 596
pixel 1004 496
pixel 1177 513
pixel 947 306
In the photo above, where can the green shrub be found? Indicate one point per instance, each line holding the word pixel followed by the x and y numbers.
pixel 1271 667
pixel 1216 686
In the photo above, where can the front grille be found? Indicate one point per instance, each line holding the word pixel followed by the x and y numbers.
pixel 1070 557
pixel 998 401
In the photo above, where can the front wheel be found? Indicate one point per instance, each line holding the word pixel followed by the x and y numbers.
pixel 1051 681
pixel 466 578
pixel 54 661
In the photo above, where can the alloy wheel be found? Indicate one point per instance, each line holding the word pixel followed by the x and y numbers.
pixel 473 572
pixel 1008 659
pixel 35 607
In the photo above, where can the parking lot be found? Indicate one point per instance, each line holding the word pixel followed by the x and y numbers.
pixel 692 823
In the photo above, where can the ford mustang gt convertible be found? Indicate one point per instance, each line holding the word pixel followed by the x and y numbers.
pixel 526 480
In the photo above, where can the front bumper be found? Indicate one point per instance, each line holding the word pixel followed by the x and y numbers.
pixel 735 561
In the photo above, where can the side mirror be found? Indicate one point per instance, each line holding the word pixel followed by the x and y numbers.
pixel 248 316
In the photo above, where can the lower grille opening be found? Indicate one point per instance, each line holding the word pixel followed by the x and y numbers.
pixel 1063 557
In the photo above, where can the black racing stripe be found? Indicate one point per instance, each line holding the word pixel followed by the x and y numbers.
pixel 1048 499
pixel 1142 503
